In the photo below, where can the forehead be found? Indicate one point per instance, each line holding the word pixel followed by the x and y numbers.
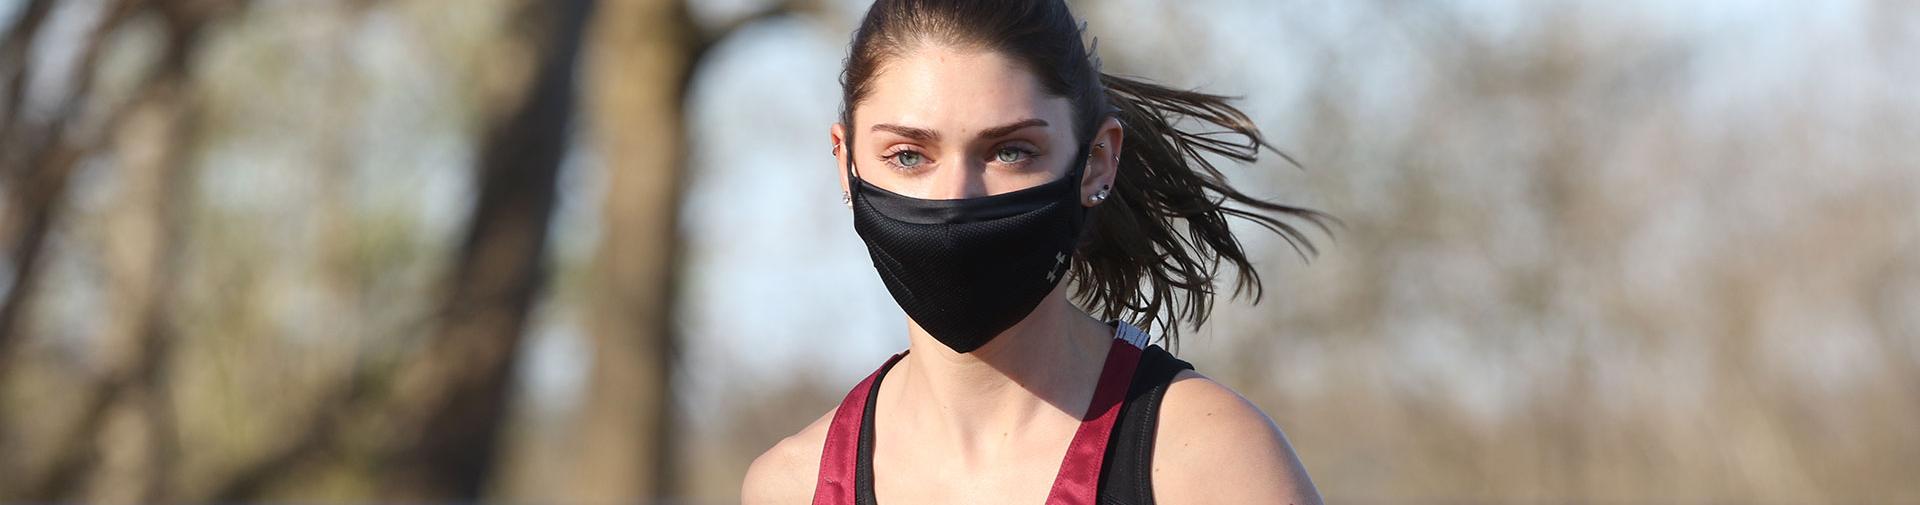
pixel 957 91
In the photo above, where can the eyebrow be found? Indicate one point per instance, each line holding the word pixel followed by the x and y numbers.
pixel 920 134
pixel 926 135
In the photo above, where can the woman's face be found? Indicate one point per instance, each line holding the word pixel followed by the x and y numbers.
pixel 945 123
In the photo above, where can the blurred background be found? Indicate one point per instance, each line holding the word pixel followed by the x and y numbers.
pixel 584 252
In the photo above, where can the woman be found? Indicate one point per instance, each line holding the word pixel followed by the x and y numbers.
pixel 986 159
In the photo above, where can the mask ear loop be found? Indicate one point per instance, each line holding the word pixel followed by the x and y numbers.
pixel 852 175
pixel 848 175
pixel 1079 169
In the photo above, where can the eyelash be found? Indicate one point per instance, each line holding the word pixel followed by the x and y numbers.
pixel 895 153
pixel 1027 156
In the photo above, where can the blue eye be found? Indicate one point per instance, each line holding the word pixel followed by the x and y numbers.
pixel 1011 155
pixel 908 159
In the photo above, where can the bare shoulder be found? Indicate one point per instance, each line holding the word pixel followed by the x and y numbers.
pixel 1214 446
pixel 785 473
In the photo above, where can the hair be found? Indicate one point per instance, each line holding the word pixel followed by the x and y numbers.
pixel 1151 251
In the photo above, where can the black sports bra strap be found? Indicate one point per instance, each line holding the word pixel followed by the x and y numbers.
pixel 1127 478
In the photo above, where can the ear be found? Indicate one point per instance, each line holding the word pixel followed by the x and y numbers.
pixel 840 155
pixel 1103 166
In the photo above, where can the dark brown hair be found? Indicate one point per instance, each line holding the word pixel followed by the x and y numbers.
pixel 1154 248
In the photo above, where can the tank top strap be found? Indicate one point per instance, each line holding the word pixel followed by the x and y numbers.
pixel 841 455
pixel 1078 482
pixel 1127 478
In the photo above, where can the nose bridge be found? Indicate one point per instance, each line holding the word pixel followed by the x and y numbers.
pixel 965 178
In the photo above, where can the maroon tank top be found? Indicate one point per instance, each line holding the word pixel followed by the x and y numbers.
pixel 846 462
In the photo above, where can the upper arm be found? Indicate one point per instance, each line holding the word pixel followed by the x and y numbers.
pixel 1214 446
pixel 785 473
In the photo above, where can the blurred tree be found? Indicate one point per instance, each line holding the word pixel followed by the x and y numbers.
pixel 645 52
pixel 450 406
pixel 38 155
pixel 124 419
pixel 642 52
pixel 21 226
pixel 440 414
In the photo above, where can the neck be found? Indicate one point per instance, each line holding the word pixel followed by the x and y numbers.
pixel 1041 370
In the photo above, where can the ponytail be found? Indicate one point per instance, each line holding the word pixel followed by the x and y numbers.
pixel 1135 257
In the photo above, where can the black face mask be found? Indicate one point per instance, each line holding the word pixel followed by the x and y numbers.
pixel 968 269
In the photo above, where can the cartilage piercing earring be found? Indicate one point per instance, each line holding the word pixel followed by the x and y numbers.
pixel 836 148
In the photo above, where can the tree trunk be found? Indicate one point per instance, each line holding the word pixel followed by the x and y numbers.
pixel 643 52
pixel 457 397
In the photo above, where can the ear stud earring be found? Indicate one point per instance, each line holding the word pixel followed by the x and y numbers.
pixel 1102 195
pixel 846 199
